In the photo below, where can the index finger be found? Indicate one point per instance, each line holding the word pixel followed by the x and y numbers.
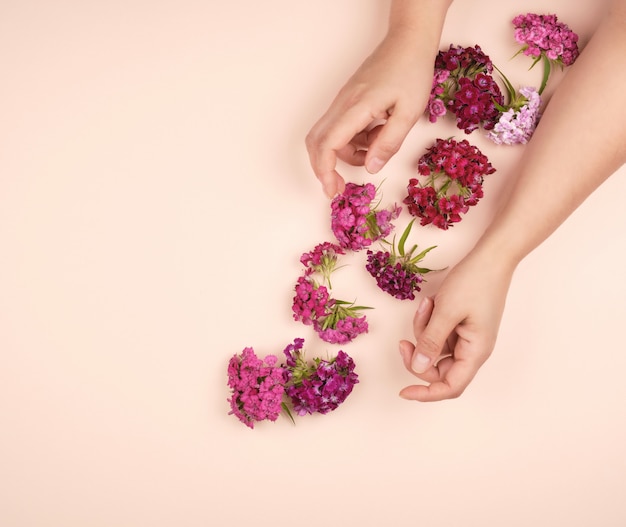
pixel 331 134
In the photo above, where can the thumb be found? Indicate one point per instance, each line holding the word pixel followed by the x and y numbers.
pixel 388 141
pixel 431 338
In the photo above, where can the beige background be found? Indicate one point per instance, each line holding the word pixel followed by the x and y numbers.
pixel 155 196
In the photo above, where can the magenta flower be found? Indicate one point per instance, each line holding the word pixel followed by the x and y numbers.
pixel 322 259
pixel 335 321
pixel 455 173
pixel 343 324
pixel 311 301
pixel 355 220
pixel 257 387
pixel 397 272
pixel 543 37
pixel 320 386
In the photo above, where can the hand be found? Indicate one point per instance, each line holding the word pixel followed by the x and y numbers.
pixel 456 331
pixel 392 86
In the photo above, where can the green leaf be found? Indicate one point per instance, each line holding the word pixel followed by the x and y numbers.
pixel 404 236
pixel 421 255
pixel 535 62
pixel 509 87
pixel 546 74
pixel 287 411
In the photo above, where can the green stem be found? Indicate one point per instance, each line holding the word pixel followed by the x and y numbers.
pixel 546 74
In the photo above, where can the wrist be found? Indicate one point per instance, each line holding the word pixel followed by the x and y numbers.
pixel 417 22
pixel 498 252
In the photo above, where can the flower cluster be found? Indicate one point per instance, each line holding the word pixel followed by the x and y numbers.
pixel 519 119
pixel 544 35
pixel 451 181
pixel 455 173
pixel 397 272
pixel 463 84
pixel 546 39
pixel 335 321
pixel 355 220
pixel 320 386
pixel 259 387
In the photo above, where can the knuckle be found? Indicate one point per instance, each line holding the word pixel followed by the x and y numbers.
pixel 426 344
pixel 388 147
pixel 456 392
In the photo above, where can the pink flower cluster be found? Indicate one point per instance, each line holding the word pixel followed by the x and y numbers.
pixel 517 124
pixel 355 220
pixel 455 173
pixel 545 35
pixel 319 387
pixel 335 321
pixel 463 84
pixel 259 386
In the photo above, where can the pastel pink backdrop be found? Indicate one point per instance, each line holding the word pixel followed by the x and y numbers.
pixel 155 196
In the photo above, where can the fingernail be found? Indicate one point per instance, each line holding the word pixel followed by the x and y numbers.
pixel 420 363
pixel 329 193
pixel 423 305
pixel 374 165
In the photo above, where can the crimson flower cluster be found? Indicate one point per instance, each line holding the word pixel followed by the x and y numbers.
pixel 320 386
pixel 260 389
pixel 355 220
pixel 335 321
pixel 455 172
pixel 463 84
pixel 397 272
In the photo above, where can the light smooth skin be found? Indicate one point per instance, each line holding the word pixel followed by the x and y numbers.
pixel 456 330
pixel 393 85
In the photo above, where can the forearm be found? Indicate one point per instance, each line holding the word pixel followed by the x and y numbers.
pixel 419 20
pixel 579 143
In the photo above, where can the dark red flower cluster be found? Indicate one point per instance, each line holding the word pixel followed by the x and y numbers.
pixel 463 84
pixel 455 173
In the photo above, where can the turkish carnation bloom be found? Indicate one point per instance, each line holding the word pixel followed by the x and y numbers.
pixel 463 84
pixel 343 330
pixel 474 103
pixel 355 221
pixel 322 259
pixel 319 387
pixel 257 387
pixel 544 34
pixel 392 277
pixel 463 61
pixel 455 172
pixel 311 301
pixel 517 125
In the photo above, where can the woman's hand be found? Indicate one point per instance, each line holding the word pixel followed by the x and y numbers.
pixel 456 331
pixel 373 113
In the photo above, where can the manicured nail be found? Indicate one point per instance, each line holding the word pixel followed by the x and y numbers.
pixel 374 165
pixel 420 363
pixel 423 305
